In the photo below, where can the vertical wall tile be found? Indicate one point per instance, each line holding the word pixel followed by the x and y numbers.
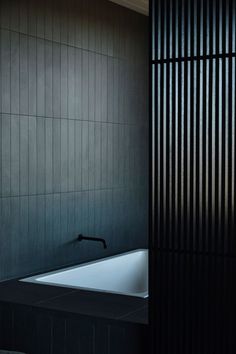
pixel 104 88
pixel 63 9
pixel 24 256
pixel 78 84
pixel 15 155
pixel 33 233
pixel 98 88
pixel 64 82
pixel 72 233
pixel 56 88
pixel 71 155
pixel 71 22
pixel 92 86
pixel 64 155
pixel 48 79
pixel 85 155
pixel 32 76
pixel 6 246
pixel 104 28
pixel 110 159
pixel 91 212
pixel 13 235
pixel 49 155
pixel 110 89
pixel 40 146
pixel 85 24
pixel 115 156
pixel 121 153
pixel 23 17
pixel 64 237
pixel 92 27
pixel 32 156
pixel 48 19
pixel 116 91
pixel 92 154
pixel 40 18
pixel 85 87
pixel 6 155
pixel 56 33
pixel 56 155
pixel 0 156
pixel 126 156
pixel 78 155
pixel 14 16
pixel 15 72
pixel 41 245
pixel 110 32
pixel 97 155
pixel 24 155
pixel 5 14
pixel 56 224
pixel 40 77
pixel 49 241
pixel 24 75
pixel 97 210
pixel 71 83
pixel 32 18
pixel 104 156
pixel 78 24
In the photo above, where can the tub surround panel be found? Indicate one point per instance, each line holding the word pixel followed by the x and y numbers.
pixel 38 331
pixel 80 302
pixel 49 319
pixel 73 132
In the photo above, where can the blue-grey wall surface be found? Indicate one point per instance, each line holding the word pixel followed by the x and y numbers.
pixel 73 132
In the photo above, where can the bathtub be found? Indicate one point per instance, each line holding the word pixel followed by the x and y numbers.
pixel 125 274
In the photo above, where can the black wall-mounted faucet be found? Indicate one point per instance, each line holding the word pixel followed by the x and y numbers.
pixel 87 238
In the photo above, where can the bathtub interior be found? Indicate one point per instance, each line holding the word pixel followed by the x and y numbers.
pixel 125 274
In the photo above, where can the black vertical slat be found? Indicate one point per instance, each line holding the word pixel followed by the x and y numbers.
pixel 172 177
pixel 167 128
pixel 203 162
pixel 185 125
pixel 216 155
pixel 196 159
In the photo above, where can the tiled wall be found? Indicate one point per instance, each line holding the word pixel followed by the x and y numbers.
pixel 73 132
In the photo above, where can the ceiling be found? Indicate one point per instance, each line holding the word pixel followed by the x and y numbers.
pixel 136 5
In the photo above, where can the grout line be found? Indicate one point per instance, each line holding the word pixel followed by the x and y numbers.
pixel 79 191
pixel 61 43
pixel 54 297
pixel 132 312
pixel 74 119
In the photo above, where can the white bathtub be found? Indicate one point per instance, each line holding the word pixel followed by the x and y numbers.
pixel 125 274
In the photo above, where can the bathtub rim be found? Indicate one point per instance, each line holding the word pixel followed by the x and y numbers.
pixel 33 278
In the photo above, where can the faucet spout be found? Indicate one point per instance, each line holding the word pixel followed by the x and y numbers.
pixel 96 239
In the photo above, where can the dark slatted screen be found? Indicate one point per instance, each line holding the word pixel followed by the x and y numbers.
pixel 193 253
